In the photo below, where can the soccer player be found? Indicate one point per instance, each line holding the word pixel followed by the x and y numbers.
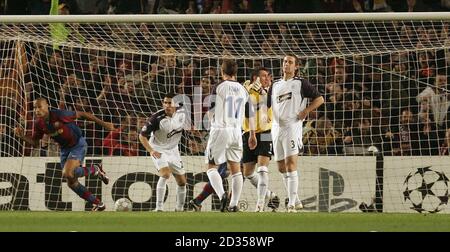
pixel 60 125
pixel 164 129
pixel 196 203
pixel 288 99
pixel 259 157
pixel 225 142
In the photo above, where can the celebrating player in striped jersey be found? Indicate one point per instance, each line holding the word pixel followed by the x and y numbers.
pixel 164 129
pixel 289 99
pixel 60 125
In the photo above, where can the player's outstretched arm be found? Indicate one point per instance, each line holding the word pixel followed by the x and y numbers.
pixel 20 134
pixel 90 117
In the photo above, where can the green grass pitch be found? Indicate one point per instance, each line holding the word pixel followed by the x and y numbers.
pixel 220 222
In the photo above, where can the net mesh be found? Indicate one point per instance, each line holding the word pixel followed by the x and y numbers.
pixel 382 135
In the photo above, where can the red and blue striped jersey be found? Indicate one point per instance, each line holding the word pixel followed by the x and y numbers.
pixel 60 126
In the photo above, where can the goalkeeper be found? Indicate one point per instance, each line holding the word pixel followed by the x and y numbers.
pixel 259 157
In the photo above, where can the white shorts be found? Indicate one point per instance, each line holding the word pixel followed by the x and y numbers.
pixel 224 145
pixel 287 140
pixel 171 159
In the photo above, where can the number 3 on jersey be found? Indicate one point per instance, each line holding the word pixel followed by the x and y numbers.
pixel 233 105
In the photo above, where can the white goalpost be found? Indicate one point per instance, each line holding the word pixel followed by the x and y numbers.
pixel 380 143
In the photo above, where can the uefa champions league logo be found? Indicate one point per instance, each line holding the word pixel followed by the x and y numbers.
pixel 426 190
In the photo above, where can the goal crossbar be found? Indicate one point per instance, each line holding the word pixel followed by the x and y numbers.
pixel 213 18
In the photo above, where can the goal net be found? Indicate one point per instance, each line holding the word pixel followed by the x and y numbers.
pixel 379 143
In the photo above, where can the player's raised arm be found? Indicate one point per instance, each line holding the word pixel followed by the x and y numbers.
pixel 90 117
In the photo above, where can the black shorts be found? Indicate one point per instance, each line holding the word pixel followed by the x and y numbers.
pixel 263 148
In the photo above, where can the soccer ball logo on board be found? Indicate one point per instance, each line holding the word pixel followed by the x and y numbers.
pixel 426 190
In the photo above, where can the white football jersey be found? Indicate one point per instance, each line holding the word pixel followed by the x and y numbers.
pixel 288 98
pixel 229 105
pixel 164 131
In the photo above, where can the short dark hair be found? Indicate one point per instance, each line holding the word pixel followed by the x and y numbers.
pixel 229 67
pixel 441 72
pixel 170 95
pixel 41 99
pixel 255 72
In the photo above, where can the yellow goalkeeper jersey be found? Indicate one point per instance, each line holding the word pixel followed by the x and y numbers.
pixel 263 114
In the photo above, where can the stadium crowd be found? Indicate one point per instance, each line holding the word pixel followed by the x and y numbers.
pixel 42 7
pixel 396 101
